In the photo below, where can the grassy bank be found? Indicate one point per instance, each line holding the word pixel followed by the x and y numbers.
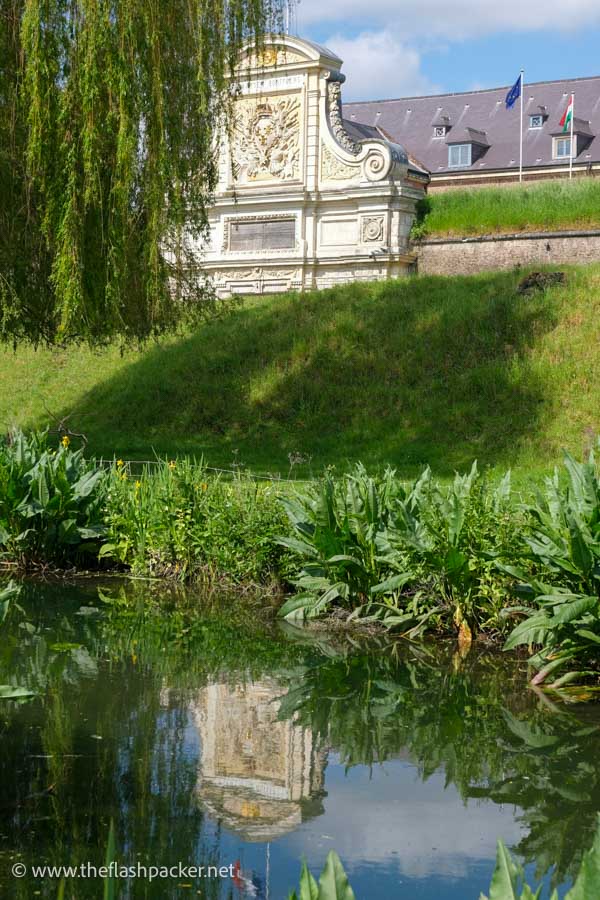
pixel 541 206
pixel 408 372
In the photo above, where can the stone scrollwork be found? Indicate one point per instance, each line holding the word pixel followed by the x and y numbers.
pixel 267 139
pixel 371 229
pixel 335 169
pixel 334 111
pixel 375 166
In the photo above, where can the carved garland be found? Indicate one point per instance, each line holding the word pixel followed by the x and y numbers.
pixel 334 111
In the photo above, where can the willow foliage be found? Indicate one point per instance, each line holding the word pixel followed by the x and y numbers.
pixel 109 111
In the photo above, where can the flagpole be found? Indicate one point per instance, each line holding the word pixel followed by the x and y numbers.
pixel 572 118
pixel 521 134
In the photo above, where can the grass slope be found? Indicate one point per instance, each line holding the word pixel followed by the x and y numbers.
pixel 425 369
pixel 541 206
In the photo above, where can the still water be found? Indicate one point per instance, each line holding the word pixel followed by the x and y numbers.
pixel 217 738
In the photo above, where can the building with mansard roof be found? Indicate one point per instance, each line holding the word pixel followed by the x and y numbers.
pixel 471 139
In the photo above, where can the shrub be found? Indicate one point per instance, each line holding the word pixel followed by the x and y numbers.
pixel 50 501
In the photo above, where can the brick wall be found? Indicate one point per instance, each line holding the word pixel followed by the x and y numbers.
pixel 456 256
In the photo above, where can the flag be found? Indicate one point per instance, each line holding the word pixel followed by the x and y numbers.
pixel 514 93
pixel 565 122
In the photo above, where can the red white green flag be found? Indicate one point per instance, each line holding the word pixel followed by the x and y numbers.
pixel 565 122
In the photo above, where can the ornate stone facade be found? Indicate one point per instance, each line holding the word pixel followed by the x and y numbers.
pixel 305 199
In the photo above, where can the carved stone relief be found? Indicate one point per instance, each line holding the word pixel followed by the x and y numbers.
pixel 255 274
pixel 272 56
pixel 371 229
pixel 335 169
pixel 334 111
pixel 266 143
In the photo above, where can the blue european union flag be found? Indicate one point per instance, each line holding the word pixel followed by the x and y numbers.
pixel 514 93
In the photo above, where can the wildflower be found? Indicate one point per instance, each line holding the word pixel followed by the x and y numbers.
pixel 172 465
pixel 204 486
pixel 66 440
pixel 120 463
pixel 138 485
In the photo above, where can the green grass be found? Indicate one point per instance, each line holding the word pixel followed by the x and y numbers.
pixel 424 369
pixel 541 206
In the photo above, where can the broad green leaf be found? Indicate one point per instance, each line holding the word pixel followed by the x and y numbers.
pixel 506 876
pixel 333 883
pixel 309 889
pixel 587 883
pixel 11 692
pixel 530 736
pixel 392 584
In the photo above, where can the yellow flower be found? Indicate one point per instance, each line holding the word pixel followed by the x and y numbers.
pixel 120 463
pixel 138 485
pixel 172 465
pixel 204 486
pixel 66 441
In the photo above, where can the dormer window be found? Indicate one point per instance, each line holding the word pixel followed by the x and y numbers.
pixel 459 156
pixel 562 147
pixel 439 131
pixel 536 121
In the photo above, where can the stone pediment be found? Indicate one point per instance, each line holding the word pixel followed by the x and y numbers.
pixel 280 51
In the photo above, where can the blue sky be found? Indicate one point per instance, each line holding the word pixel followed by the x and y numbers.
pixel 395 48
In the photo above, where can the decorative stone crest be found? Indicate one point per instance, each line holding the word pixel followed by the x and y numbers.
pixel 267 139
pixel 335 169
pixel 371 229
pixel 334 111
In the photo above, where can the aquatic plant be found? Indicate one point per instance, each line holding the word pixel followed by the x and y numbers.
pixel 51 500
pixel 563 599
pixel 333 882
pixel 508 881
pixel 409 557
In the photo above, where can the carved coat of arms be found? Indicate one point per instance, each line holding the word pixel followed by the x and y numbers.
pixel 267 139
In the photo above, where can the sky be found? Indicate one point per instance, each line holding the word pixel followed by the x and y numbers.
pixel 396 48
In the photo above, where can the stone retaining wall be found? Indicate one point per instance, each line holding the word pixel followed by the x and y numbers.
pixel 464 256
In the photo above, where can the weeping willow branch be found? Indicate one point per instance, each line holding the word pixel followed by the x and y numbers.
pixel 109 110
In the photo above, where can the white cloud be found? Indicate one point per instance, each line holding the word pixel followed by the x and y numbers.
pixel 456 20
pixel 378 65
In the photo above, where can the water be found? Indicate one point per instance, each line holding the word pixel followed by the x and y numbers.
pixel 217 738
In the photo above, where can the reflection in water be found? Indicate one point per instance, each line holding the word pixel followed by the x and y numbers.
pixel 256 769
pixel 210 741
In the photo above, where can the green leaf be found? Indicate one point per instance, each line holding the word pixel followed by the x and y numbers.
pixel 587 883
pixel 530 736
pixel 309 889
pixel 506 876
pixel 392 584
pixel 298 608
pixel 333 883
pixel 11 692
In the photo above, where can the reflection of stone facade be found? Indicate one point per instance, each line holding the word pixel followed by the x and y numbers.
pixel 298 182
pixel 257 772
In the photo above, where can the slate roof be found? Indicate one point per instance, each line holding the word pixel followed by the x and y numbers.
pixel 410 121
